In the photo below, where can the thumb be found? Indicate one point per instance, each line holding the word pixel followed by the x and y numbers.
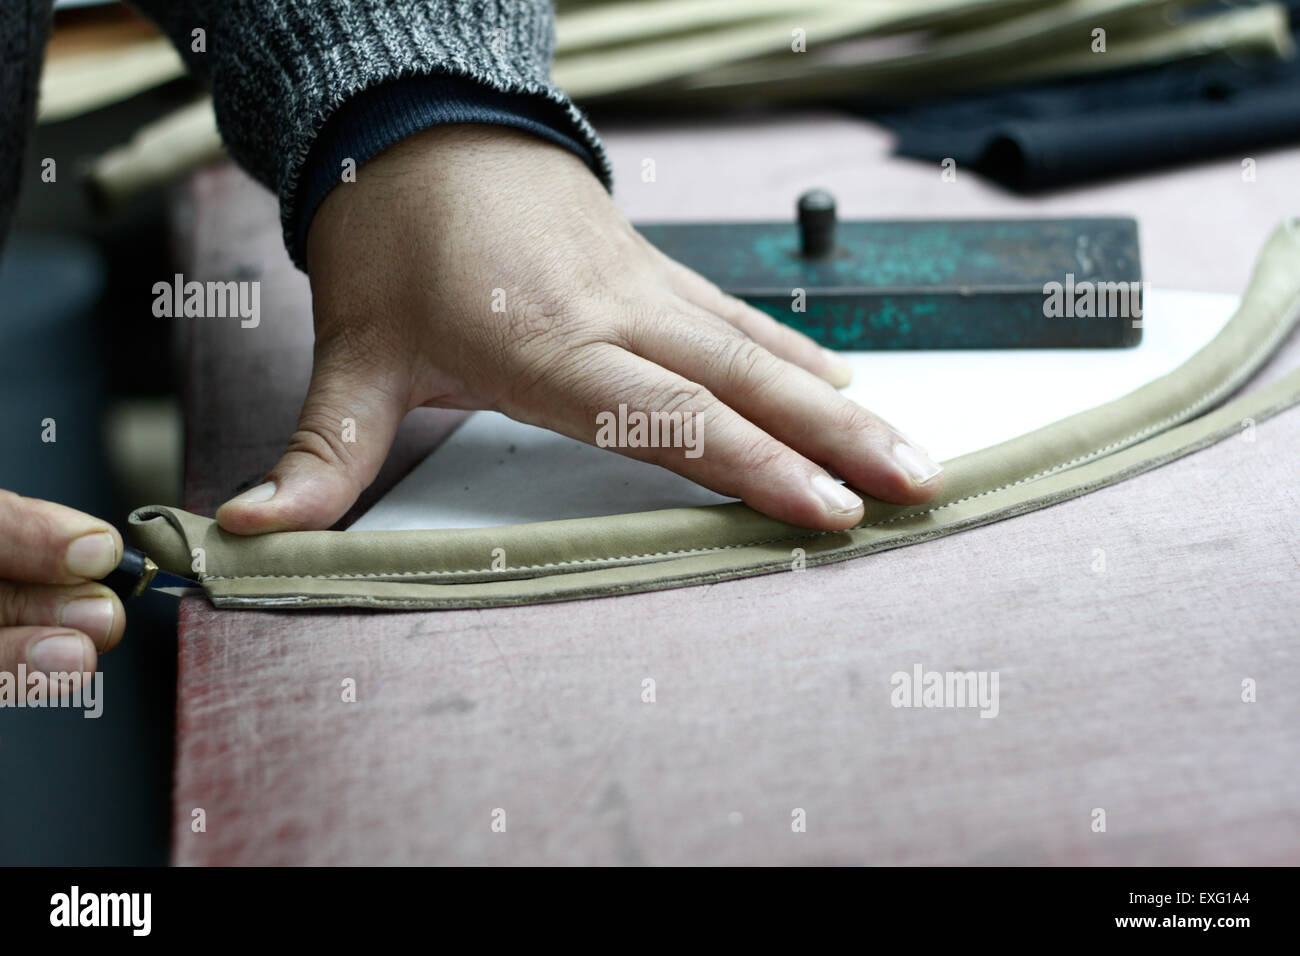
pixel 347 426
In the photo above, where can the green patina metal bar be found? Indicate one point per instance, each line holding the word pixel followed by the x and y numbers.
pixel 921 284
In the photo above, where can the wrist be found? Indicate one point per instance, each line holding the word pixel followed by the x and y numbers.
pixel 376 119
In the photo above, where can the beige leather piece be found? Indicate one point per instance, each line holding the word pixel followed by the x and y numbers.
pixel 549 561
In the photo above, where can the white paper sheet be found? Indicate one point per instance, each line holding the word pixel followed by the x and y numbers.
pixel 495 471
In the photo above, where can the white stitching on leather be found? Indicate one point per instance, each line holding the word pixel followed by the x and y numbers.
pixel 1229 384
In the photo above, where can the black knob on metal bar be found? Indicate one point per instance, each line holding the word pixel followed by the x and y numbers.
pixel 817 223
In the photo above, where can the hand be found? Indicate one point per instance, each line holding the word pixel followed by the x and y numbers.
pixel 406 266
pixel 54 618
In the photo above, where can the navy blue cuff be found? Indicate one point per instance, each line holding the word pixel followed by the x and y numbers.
pixel 377 118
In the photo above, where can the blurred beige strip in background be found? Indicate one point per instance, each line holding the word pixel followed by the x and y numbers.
pixel 717 52
pixel 102 57
pixel 157 154
pixel 607 24
pixel 78 84
pixel 1040 45
pixel 626 67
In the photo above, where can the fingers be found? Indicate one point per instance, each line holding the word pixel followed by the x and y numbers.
pixel 779 339
pixel 791 404
pixel 46 650
pixel 46 543
pixel 59 623
pixel 347 426
pixel 716 447
pixel 92 609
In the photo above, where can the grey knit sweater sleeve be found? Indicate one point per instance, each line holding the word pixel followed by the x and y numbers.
pixel 280 68
pixel 23 26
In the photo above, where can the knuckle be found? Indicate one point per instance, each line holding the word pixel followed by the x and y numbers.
pixel 10 504
pixel 686 397
pixel 320 434
pixel 847 416
pixel 535 324
pixel 14 603
pixel 641 323
pixel 589 374
pixel 14 520
pixel 20 516
pixel 742 361
pixel 36 529
pixel 543 342
pixel 576 364
pixel 757 455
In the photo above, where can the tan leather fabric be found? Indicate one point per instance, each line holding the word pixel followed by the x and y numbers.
pixel 550 561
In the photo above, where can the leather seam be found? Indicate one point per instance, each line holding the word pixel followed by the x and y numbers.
pixel 1232 381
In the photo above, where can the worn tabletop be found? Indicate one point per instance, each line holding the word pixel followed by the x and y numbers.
pixel 1123 625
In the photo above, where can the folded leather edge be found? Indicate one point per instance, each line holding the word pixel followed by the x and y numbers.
pixel 576 558
pixel 288 591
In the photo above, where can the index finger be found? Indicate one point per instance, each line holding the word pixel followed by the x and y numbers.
pixel 46 543
pixel 726 454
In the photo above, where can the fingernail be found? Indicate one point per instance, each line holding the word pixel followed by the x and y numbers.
pixel 918 465
pixel 62 654
pixel 838 499
pixel 93 616
pixel 838 372
pixel 263 492
pixel 91 555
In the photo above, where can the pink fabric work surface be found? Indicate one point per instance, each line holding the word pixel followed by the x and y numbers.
pixel 1122 624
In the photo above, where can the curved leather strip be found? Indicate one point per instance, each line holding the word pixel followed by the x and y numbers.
pixel 587 557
